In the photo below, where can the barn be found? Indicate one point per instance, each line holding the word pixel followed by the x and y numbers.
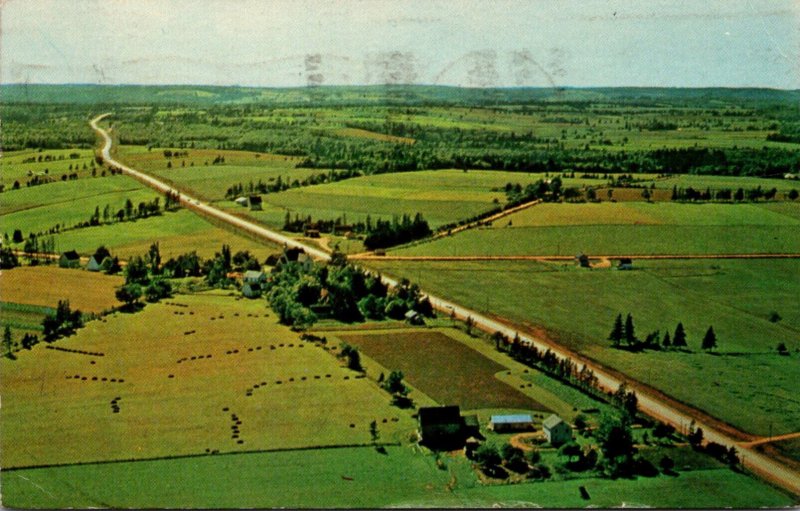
pixel 504 423
pixel 441 426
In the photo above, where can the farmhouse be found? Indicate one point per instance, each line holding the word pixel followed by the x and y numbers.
pixel 414 318
pixel 254 277
pixel 503 423
pixel 94 264
pixel 441 426
pixel 242 201
pixel 69 259
pixel 312 233
pixel 255 202
pixel 556 430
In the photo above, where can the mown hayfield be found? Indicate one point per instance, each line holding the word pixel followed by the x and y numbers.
pixel 315 478
pixel 176 232
pixel 578 307
pixel 443 368
pixel 178 375
pixel 46 285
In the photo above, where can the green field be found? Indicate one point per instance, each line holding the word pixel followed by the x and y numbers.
pixel 176 232
pixel 13 169
pixel 316 478
pixel 628 229
pixel 182 390
pixel 735 296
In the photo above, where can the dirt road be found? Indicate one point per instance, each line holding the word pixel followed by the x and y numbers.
pixel 601 258
pixel 649 403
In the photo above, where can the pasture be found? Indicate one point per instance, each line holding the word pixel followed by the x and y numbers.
pixel 218 375
pixel 628 229
pixel 357 478
pixel 24 165
pixel 176 232
pixel 577 308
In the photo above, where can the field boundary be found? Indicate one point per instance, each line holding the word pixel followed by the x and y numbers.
pixel 371 257
pixel 202 455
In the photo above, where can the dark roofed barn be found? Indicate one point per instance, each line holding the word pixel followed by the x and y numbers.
pixel 441 427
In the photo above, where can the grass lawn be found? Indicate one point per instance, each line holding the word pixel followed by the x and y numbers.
pixel 578 307
pixel 183 389
pixel 46 285
pixel 356 478
pixel 176 232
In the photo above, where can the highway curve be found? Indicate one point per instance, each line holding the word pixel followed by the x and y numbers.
pixel 649 404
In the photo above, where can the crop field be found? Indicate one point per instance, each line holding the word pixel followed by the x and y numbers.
pixel 45 285
pixel 474 386
pixel 737 297
pixel 628 229
pixel 219 375
pixel 23 318
pixel 356 477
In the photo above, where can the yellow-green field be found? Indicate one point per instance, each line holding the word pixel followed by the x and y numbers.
pixel 46 285
pixel 179 373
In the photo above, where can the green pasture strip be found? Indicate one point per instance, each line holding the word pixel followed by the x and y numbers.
pixel 356 478
pixel 613 240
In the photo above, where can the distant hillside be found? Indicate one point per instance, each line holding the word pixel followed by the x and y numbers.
pixel 365 95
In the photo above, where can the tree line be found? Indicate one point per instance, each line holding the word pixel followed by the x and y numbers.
pixel 654 340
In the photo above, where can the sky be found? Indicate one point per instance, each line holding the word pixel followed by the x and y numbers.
pixel 471 43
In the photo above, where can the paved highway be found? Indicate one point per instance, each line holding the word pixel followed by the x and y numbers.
pixel 764 466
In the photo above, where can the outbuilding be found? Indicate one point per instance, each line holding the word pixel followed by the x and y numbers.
pixel 251 289
pixel 255 202
pixel 504 423
pixel 94 264
pixel 69 259
pixel 556 430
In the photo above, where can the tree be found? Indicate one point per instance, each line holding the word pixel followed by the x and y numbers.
pixel 695 436
pixel 373 431
pixel 617 332
pixel 136 271
pixel 394 383
pixel 157 289
pixel 709 340
pixel 793 194
pixel 8 259
pixel 486 456
pixel 154 259
pixel 630 335
pixel 63 322
pixel 666 464
pixel 470 323
pixel 129 294
pixel 101 254
pixel 7 343
pixel 646 194
pixel 353 357
pixel 732 458
pixel 616 443
pixel 17 237
pixel 666 342
pixel 679 339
